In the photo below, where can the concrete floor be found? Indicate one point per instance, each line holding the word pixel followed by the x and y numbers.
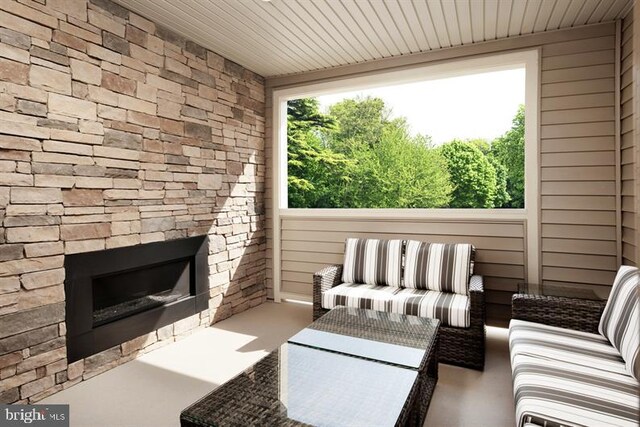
pixel 153 389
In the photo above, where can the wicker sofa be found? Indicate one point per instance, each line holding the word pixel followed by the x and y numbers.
pixel 462 331
pixel 575 361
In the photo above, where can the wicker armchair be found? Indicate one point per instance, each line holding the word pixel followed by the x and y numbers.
pixel 458 346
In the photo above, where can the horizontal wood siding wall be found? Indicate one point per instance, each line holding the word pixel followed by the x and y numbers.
pixel 310 243
pixel 578 176
pixel 578 161
pixel 629 214
pixel 636 121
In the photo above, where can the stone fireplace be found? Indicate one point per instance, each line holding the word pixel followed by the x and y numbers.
pixel 115 134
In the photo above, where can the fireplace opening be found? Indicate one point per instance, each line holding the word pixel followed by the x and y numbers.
pixel 116 295
pixel 123 294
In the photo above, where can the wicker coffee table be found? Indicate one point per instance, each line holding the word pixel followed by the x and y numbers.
pixel 351 367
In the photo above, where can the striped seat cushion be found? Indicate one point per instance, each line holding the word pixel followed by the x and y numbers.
pixel 438 266
pixel 620 321
pixel 451 309
pixel 554 393
pixel 372 261
pixel 370 297
pixel 564 345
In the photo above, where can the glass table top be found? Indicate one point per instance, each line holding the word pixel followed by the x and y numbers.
pixel 358 347
pixel 298 385
pixel 385 337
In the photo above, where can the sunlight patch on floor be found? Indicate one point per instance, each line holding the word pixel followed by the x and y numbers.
pixel 153 389
pixel 202 354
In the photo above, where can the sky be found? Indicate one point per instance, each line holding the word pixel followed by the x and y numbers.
pixel 472 106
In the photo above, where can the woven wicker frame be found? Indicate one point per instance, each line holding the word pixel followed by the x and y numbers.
pixel 417 406
pixel 570 313
pixel 458 346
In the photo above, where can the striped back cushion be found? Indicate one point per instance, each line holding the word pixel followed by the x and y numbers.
pixel 372 261
pixel 441 267
pixel 620 321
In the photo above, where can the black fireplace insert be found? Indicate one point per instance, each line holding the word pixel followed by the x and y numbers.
pixel 115 295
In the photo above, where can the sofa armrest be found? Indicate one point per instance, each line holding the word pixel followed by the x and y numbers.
pixel 571 313
pixel 324 280
pixel 476 284
pixel 476 296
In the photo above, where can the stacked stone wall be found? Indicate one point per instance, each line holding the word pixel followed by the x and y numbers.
pixel 115 132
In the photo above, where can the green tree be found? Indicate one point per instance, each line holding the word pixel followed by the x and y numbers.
pixel 416 176
pixel 316 175
pixel 508 150
pixel 359 119
pixel 472 174
pixel 482 144
pixel 502 196
pixel 398 172
pixel 357 156
pixel 391 168
pixel 304 113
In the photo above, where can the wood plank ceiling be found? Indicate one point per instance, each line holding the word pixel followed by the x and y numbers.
pixel 279 37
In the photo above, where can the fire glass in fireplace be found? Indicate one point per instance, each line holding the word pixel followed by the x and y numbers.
pixel 116 295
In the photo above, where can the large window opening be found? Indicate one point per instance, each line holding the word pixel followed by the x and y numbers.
pixel 455 142
pixel 417 145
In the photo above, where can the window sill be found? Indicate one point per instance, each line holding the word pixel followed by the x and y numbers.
pixel 403 214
